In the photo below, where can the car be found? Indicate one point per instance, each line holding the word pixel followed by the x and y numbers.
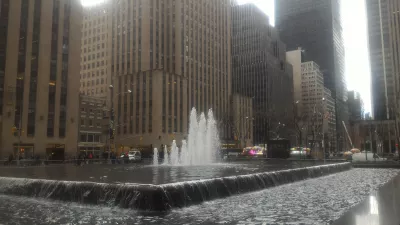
pixel 135 156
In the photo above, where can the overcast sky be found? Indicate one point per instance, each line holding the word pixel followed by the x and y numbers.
pixel 355 38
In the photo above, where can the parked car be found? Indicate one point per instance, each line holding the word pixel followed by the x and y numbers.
pixel 135 156
pixel 132 156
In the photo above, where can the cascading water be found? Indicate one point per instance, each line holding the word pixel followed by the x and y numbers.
pixel 202 144
pixel 155 156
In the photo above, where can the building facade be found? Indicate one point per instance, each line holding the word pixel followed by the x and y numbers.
pixel 260 71
pixel 356 106
pixel 384 42
pixel 315 26
pixel 95 50
pixel 375 135
pixel 39 79
pixel 315 105
pixel 318 106
pixel 167 56
pixel 296 58
pixel 242 120
pixel 329 121
pixel 94 132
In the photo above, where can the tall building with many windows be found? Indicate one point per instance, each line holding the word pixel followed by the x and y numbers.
pixel 384 43
pixel 356 106
pixel 315 26
pixel 167 57
pixel 260 71
pixel 39 77
pixel 95 49
pixel 315 107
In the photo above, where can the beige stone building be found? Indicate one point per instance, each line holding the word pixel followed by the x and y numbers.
pixel 242 120
pixel 167 57
pixel 94 129
pixel 95 49
pixel 39 77
pixel 315 106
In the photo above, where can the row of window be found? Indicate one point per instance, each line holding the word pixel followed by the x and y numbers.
pixel 89 137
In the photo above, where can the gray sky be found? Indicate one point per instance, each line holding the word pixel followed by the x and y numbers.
pixel 355 38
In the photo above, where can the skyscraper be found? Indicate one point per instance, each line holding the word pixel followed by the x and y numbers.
pixel 356 106
pixel 95 50
pixel 315 26
pixel 315 106
pixel 260 71
pixel 39 77
pixel 384 43
pixel 167 57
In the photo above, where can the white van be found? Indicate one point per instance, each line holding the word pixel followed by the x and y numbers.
pixel 369 156
pixel 135 155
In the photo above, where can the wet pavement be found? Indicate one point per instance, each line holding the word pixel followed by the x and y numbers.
pixel 342 197
pixel 381 207
pixel 141 173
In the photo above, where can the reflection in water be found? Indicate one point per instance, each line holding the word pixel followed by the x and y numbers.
pixel 155 175
pixel 379 208
pixel 371 216
pixel 373 204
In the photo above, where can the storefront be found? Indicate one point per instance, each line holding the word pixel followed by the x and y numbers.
pixel 26 150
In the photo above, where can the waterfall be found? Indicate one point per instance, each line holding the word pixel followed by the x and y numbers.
pixel 160 197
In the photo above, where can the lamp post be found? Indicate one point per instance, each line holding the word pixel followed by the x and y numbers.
pixel 111 117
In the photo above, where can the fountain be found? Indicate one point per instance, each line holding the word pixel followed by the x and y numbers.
pixel 155 156
pixel 166 157
pixel 174 153
pixel 203 143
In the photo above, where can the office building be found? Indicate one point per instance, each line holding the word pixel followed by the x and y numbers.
pixel 39 79
pixel 356 106
pixel 315 106
pixel 167 56
pixel 384 42
pixel 95 47
pixel 315 26
pixel 94 129
pixel 375 135
pixel 329 121
pixel 242 120
pixel 260 71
